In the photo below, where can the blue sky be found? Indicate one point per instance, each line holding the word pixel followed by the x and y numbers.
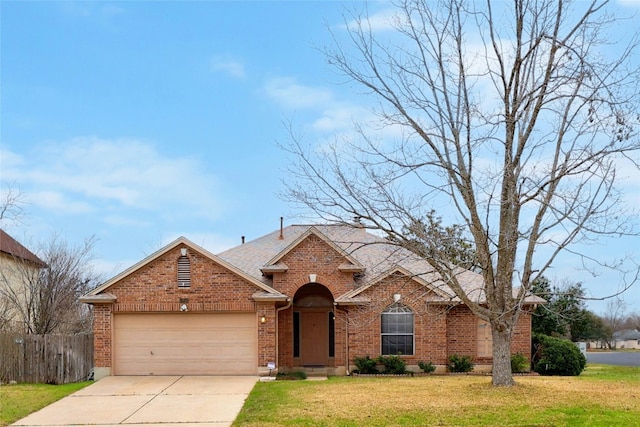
pixel 138 122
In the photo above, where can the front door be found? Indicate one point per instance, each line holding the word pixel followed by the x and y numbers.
pixel 314 343
pixel 313 326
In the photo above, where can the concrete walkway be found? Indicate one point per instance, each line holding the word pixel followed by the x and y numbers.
pixel 149 402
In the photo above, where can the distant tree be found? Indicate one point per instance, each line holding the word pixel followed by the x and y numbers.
pixel 588 326
pixel 565 314
pixel 546 320
pixel 428 237
pixel 507 112
pixel 614 318
pixel 632 321
pixel 46 299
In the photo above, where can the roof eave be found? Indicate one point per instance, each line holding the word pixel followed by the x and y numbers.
pixel 350 268
pixel 262 297
pixel 98 299
pixel 271 269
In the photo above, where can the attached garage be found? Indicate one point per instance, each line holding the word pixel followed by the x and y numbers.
pixel 185 344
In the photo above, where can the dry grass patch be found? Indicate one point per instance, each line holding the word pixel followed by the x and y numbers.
pixel 446 401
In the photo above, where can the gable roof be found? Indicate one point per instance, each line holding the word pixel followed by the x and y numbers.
pixel 312 230
pixel 374 258
pixel 12 247
pixel 264 292
pixel 430 280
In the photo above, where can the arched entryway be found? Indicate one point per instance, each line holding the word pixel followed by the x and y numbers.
pixel 313 326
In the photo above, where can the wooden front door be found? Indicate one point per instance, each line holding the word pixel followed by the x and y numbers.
pixel 314 342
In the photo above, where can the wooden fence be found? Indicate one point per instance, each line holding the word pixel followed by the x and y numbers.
pixel 50 359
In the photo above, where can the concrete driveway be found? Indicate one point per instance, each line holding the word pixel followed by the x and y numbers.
pixel 149 402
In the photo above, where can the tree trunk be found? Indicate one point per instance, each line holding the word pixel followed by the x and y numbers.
pixel 502 375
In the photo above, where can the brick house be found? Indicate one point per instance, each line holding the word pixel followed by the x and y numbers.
pixel 302 297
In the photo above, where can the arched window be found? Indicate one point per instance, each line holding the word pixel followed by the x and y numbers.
pixel 397 330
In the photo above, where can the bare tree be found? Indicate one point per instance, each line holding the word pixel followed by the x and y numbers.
pixel 632 321
pixel 12 202
pixel 45 300
pixel 614 319
pixel 515 114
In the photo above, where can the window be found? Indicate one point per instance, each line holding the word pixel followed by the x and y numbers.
pixel 184 272
pixel 332 333
pixel 485 339
pixel 296 334
pixel 397 330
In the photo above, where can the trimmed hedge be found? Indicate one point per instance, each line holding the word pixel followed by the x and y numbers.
pixel 519 363
pixel 460 363
pixel 366 365
pixel 555 356
pixel 393 365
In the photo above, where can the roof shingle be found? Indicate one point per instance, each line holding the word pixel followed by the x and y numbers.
pixel 12 247
pixel 377 256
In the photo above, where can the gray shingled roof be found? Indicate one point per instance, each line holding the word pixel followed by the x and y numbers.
pixel 377 255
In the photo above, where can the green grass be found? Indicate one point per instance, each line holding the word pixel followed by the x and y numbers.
pixel 602 396
pixel 19 400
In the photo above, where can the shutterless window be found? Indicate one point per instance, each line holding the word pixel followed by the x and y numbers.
pixel 296 334
pixel 397 330
pixel 332 334
pixel 184 272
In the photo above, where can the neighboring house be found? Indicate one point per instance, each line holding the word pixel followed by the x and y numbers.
pixel 627 338
pixel 18 267
pixel 302 297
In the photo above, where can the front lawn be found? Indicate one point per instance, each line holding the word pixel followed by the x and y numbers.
pixel 19 400
pixel 602 396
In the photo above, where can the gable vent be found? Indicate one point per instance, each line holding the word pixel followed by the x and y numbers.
pixel 184 272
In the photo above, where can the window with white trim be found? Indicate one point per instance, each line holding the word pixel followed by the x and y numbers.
pixel 184 272
pixel 397 330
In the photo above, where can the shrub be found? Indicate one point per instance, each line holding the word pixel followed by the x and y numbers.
pixel 519 363
pixel 365 365
pixel 460 363
pixel 393 365
pixel 555 356
pixel 427 368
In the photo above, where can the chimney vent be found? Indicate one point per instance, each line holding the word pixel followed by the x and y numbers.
pixel 281 236
pixel 243 240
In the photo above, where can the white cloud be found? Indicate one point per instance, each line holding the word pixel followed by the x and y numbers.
pixel 59 202
pixel 120 221
pixel 338 117
pixel 289 93
pixel 629 3
pixel 98 12
pixel 383 20
pixel 333 114
pixel 120 177
pixel 232 68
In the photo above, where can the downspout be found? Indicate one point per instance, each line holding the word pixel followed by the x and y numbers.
pixel 346 329
pixel 278 310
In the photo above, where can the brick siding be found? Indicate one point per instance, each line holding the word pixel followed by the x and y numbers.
pixel 439 330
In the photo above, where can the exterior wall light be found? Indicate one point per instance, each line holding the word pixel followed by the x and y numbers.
pixel 263 319
pixel 184 307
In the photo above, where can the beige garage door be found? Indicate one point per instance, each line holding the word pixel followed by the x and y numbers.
pixel 185 344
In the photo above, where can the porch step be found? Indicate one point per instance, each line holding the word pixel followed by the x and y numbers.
pixel 316 371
